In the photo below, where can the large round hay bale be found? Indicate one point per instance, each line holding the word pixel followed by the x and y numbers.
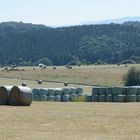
pixel 95 90
pixel 118 91
pixel 73 97
pixel 20 96
pixel 73 90
pixel 51 98
pixel 58 98
pixel 43 98
pixel 101 98
pixel 51 91
pixel 95 98
pixel 102 91
pixel 131 90
pixel 65 98
pixel 119 98
pixel 66 91
pixel 138 98
pixel 109 98
pixel 88 98
pixel 58 91
pixel 4 94
pixel 43 91
pixel 79 90
pixel 131 98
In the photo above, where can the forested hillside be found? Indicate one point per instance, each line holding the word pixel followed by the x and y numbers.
pixel 28 44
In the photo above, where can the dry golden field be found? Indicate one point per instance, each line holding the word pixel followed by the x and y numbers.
pixel 71 121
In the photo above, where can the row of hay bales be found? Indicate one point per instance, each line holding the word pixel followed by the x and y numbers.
pixel 15 95
pixel 115 94
pixel 58 94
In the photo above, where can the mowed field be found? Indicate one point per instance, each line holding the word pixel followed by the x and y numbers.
pixel 69 121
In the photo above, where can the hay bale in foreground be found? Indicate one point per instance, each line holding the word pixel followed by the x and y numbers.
pixel 4 94
pixel 20 96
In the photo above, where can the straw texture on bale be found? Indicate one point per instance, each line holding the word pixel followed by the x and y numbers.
pixel 95 98
pixel 20 96
pixel 95 91
pixel 102 98
pixel 131 98
pixel 4 94
pixel 109 98
pixel 119 98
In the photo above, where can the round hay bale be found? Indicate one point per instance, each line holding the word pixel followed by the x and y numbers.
pixel 88 98
pixel 95 90
pixel 24 84
pixel 95 98
pixel 131 90
pixel 118 91
pixel 138 98
pixel 101 98
pixel 58 98
pixel 43 91
pixel 20 96
pixel 65 83
pixel 79 90
pixel 51 98
pixel 102 91
pixel 43 98
pixel 39 81
pixel 119 98
pixel 51 91
pixel 131 98
pixel 4 94
pixel 73 90
pixel 109 98
pixel 66 91
pixel 65 98
pixel 58 91
pixel 73 97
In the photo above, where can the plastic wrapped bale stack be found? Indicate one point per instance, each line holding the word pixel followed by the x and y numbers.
pixel 51 94
pixel 21 96
pixel 43 94
pixel 73 97
pixel 73 90
pixel 118 94
pixel 4 94
pixel 66 94
pixel 58 93
pixel 109 97
pixel 80 90
pixel 131 94
pixel 36 95
pixel 138 94
pixel 88 98
pixel 102 94
pixel 95 94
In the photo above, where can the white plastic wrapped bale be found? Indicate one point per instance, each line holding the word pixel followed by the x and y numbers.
pixel 119 98
pixel 36 93
pixel 58 98
pixel 4 94
pixel 73 90
pixel 51 91
pixel 109 98
pixel 58 91
pixel 65 98
pixel 95 90
pixel 101 98
pixel 66 91
pixel 79 90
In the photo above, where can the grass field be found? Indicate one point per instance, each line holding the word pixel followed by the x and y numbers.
pixel 70 121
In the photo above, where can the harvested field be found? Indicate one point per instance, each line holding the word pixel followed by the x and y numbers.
pixel 70 121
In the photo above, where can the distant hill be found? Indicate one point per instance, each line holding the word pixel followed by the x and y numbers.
pixel 109 21
pixel 29 44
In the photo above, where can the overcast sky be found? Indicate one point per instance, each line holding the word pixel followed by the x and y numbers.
pixel 66 12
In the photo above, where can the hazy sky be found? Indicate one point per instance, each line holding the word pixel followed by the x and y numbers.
pixel 66 12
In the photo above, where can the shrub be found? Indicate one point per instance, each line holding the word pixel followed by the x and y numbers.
pixel 132 78
pixel 79 99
